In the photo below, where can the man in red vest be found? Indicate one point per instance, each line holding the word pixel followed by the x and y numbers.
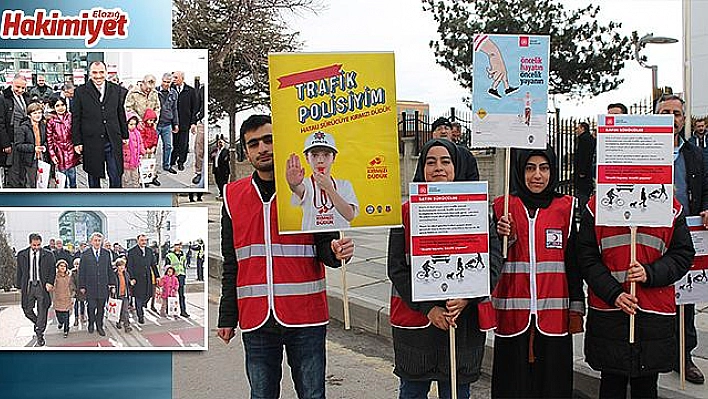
pixel 273 285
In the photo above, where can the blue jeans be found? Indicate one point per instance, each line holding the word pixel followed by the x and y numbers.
pixel 165 133
pixel 419 390
pixel 305 348
pixel 70 177
pixel 180 291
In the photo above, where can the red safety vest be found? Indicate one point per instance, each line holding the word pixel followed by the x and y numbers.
pixel 401 315
pixel 276 273
pixel 533 275
pixel 615 248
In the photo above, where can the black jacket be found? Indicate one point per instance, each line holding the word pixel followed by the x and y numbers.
pixel 583 163
pixel 7 130
pixel 25 143
pixel 140 269
pixel 696 178
pixel 94 276
pixel 47 269
pixel 187 107
pixel 228 309
pixel 94 122
pixel 607 345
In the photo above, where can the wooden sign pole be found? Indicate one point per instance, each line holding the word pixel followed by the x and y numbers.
pixel 453 364
pixel 633 285
pixel 345 295
pixel 507 173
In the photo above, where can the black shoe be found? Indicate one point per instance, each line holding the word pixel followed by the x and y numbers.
pixel 180 166
pixel 184 314
pixel 60 326
pixel 693 373
pixel 510 90
pixel 153 309
pixel 141 320
pixel 40 340
pixel 197 178
pixel 199 198
pixel 118 325
pixel 100 331
pixel 128 329
pixel 156 182
pixel 90 329
pixel 494 93
pixel 66 334
pixel 171 170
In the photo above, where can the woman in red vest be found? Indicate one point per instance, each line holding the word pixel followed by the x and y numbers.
pixel 664 255
pixel 539 300
pixel 420 329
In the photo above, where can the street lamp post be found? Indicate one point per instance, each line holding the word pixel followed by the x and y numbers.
pixel 651 39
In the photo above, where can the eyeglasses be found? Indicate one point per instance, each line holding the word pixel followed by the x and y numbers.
pixel 253 143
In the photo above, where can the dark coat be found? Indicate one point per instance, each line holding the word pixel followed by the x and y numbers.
pixel 47 269
pixel 583 163
pixel 6 109
pixel 25 143
pixel 696 178
pixel 694 140
pixel 187 107
pixel 140 267
pixel 94 276
pixel 424 354
pixel 221 173
pixel 66 255
pixel 607 345
pixel 94 122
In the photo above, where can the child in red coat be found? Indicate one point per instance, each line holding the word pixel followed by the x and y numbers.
pixel 148 132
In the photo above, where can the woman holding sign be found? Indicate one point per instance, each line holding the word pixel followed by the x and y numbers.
pixel 664 255
pixel 539 300
pixel 420 329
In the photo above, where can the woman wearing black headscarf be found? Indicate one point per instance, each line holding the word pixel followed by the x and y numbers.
pixel 539 299
pixel 420 336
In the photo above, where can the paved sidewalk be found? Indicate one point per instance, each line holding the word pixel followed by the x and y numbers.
pixel 166 332
pixel 369 289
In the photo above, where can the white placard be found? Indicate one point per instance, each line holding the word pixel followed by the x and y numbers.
pixel 693 287
pixel 449 240
pixel 635 170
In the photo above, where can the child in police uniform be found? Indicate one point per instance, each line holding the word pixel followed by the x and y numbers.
pixel 327 203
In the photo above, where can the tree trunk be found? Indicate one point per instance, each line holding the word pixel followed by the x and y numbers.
pixel 233 149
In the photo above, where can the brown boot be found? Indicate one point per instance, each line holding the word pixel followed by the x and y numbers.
pixel 693 373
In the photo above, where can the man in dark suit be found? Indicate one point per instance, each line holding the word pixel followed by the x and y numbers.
pixel 16 100
pixel 141 260
pixel 187 107
pixel 220 165
pixel 96 276
pixel 582 164
pixel 99 127
pixel 35 277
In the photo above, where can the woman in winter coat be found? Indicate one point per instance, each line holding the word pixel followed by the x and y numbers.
pixel 59 144
pixel 420 329
pixel 664 255
pixel 539 300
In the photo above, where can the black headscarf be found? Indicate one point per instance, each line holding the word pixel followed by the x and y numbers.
pixel 451 147
pixel 544 198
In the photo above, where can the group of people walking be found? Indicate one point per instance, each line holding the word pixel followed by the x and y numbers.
pixel 538 301
pixel 104 126
pixel 46 277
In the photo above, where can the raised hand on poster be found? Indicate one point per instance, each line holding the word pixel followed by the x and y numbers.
pixel 295 174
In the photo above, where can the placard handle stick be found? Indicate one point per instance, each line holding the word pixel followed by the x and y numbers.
pixel 507 172
pixel 633 285
pixel 345 295
pixel 682 346
pixel 453 364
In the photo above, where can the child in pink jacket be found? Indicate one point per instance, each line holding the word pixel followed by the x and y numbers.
pixel 132 152
pixel 169 284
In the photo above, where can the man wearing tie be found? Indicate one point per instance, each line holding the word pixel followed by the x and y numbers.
pixel 16 101
pixel 35 277
pixel 99 128
pixel 95 279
